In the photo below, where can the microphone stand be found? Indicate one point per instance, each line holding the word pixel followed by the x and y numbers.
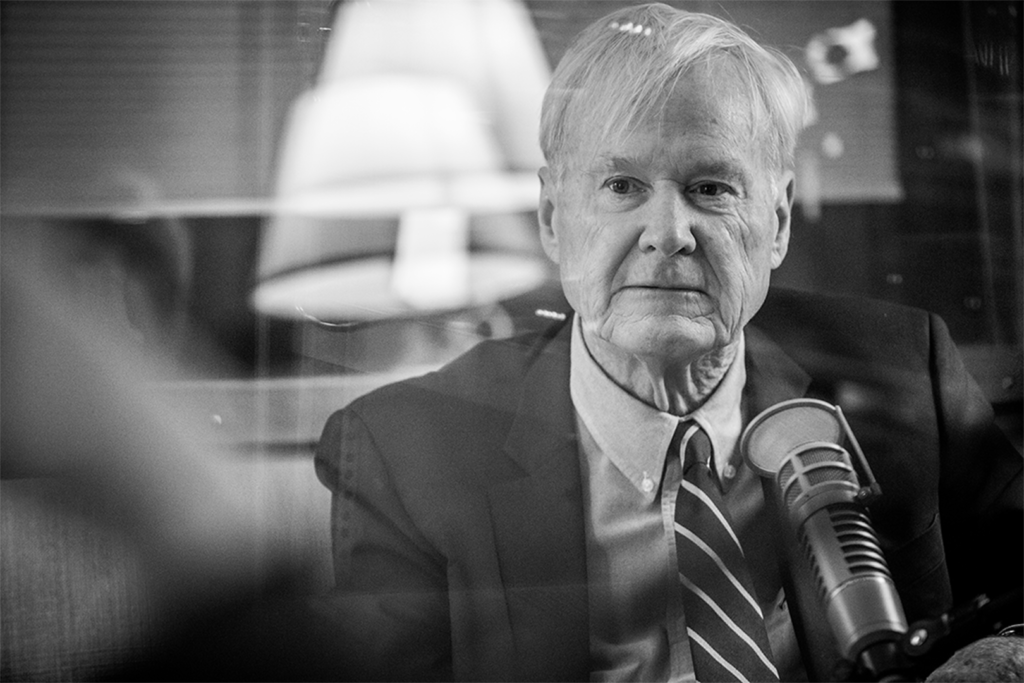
pixel 929 643
pixel 911 656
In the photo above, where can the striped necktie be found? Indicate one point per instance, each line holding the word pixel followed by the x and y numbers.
pixel 724 622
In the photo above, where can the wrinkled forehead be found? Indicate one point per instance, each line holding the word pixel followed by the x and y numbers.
pixel 712 100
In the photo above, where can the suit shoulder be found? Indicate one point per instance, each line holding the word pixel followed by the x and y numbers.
pixel 448 423
pixel 792 304
pixel 792 314
pixel 487 376
pixel 826 331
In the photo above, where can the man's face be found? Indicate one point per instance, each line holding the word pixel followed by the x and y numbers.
pixel 665 238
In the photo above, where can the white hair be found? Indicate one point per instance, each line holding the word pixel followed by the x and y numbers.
pixel 624 66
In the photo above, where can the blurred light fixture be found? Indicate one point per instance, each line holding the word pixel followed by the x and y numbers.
pixel 838 53
pixel 407 176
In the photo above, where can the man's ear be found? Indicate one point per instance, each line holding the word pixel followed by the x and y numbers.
pixel 546 214
pixel 784 189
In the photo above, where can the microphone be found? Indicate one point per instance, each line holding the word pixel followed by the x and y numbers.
pixel 800 448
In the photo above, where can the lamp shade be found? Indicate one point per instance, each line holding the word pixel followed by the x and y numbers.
pixel 489 47
pixel 378 145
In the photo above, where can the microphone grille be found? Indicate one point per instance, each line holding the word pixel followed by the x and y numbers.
pixel 812 467
pixel 779 430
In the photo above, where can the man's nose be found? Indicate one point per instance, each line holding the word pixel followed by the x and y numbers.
pixel 668 223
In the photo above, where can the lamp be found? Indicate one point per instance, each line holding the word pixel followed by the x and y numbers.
pixel 404 180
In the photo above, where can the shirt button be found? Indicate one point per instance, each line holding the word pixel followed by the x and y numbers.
pixel 729 472
pixel 647 484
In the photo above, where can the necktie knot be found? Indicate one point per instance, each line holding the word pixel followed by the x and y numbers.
pixel 695 445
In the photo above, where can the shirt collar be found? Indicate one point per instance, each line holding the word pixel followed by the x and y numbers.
pixel 635 435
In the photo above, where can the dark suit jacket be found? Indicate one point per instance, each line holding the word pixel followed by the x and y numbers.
pixel 458 519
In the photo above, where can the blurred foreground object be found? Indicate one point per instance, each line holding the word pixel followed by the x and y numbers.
pixel 132 546
pixel 999 658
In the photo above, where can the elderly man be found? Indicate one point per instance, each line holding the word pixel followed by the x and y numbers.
pixel 574 504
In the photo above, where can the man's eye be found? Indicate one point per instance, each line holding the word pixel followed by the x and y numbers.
pixel 621 185
pixel 711 189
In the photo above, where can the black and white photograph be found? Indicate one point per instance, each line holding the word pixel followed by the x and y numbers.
pixel 511 340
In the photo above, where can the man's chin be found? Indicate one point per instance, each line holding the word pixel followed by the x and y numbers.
pixel 667 340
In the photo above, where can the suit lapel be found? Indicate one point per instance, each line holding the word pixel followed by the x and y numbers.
pixel 538 527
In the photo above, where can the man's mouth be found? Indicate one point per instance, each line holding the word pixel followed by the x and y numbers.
pixel 666 286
